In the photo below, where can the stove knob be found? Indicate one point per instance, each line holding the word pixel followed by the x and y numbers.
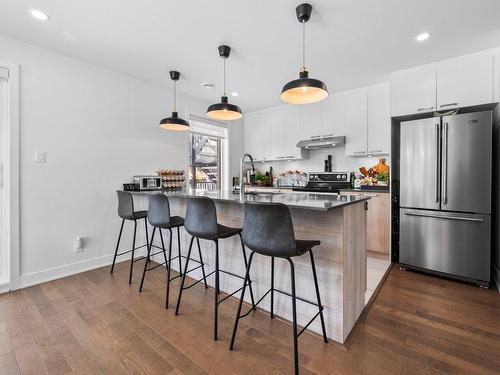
pixel 338 177
pixel 344 176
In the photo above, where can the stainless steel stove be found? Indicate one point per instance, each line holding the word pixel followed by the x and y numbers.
pixel 326 182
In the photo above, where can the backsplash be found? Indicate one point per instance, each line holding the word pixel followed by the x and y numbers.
pixel 315 162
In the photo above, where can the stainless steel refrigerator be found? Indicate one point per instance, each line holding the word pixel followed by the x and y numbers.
pixel 445 195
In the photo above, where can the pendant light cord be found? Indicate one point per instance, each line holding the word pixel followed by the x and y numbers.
pixel 303 46
pixel 224 76
pixel 175 101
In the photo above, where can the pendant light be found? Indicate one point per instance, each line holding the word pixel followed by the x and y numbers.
pixel 224 110
pixel 304 90
pixel 174 122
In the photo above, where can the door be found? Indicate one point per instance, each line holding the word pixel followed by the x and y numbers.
pixel 420 168
pixel 453 243
pixel 466 163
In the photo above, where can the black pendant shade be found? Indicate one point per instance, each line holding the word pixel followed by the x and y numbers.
pixel 174 122
pixel 304 90
pixel 224 110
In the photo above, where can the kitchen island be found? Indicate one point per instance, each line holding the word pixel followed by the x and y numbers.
pixel 339 222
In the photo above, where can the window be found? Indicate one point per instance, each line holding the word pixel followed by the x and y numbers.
pixel 207 154
pixel 204 162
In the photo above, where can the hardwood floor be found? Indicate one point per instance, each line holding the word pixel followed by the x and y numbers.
pixel 94 323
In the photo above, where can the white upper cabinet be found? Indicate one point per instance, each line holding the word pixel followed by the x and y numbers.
pixel 355 118
pixel 311 120
pixel 254 128
pixel 379 119
pixel 413 91
pixel 460 82
pixel 291 132
pixel 465 81
pixel 276 128
pixel 333 115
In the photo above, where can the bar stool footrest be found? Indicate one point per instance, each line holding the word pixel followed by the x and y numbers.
pixel 128 251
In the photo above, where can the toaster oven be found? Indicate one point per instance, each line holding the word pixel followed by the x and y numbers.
pixel 148 182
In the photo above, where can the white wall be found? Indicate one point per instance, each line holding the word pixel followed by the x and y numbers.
pixel 98 128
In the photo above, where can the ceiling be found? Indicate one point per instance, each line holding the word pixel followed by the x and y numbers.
pixel 349 43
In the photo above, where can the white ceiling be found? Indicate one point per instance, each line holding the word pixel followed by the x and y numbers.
pixel 349 43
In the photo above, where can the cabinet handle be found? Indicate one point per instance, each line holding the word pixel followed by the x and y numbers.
pixel 359 152
pixel 370 195
pixel 424 109
pixel 289 157
pixel 375 151
pixel 478 220
pixel 280 157
pixel 327 135
pixel 315 136
pixel 448 105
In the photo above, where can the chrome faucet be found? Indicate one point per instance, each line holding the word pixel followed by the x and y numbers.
pixel 242 171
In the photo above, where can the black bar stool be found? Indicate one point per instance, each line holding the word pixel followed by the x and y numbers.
pixel 126 212
pixel 201 222
pixel 159 217
pixel 268 230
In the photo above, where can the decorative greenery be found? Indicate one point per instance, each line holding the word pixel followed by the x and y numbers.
pixel 382 176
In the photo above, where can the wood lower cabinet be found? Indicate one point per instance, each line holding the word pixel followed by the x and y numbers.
pixel 378 220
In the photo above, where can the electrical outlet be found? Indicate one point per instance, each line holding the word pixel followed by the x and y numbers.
pixel 78 245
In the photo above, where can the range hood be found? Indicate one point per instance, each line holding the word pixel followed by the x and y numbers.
pixel 323 142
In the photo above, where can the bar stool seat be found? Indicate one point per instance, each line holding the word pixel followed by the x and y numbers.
pixel 175 221
pixel 159 218
pixel 201 222
pixel 126 212
pixel 268 231
pixel 226 232
pixel 303 246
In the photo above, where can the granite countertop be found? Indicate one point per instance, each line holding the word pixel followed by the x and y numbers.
pixel 310 201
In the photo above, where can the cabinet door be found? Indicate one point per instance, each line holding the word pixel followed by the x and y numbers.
pixel 333 115
pixel 413 91
pixel 311 120
pixel 291 132
pixel 276 127
pixel 378 222
pixel 465 81
pixel 355 122
pixel 379 120
pixel 255 131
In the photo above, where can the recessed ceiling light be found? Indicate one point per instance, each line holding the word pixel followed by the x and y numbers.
pixel 422 37
pixel 39 15
pixel 208 85
pixel 234 94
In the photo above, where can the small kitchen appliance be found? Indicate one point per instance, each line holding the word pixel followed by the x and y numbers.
pixel 326 182
pixel 148 182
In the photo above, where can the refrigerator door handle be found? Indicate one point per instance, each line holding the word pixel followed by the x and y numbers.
pixel 445 164
pixel 460 218
pixel 437 162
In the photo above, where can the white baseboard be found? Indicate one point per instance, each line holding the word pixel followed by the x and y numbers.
pixel 4 287
pixel 496 276
pixel 65 270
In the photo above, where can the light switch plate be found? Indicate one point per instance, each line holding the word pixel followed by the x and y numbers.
pixel 40 156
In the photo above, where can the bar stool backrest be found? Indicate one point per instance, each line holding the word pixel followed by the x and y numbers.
pixel 268 229
pixel 201 218
pixel 159 210
pixel 125 205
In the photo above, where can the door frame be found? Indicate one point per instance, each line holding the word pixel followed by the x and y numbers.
pixel 11 175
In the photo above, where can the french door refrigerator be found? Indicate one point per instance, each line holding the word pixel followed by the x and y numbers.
pixel 445 195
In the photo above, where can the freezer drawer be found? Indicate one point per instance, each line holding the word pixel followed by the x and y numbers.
pixel 453 243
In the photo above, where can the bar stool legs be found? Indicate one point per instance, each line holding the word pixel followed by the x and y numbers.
pixel 294 319
pixel 183 280
pixel 147 259
pixel 295 332
pixel 217 291
pixel 117 245
pixel 322 319
pixel 202 264
pixel 133 251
